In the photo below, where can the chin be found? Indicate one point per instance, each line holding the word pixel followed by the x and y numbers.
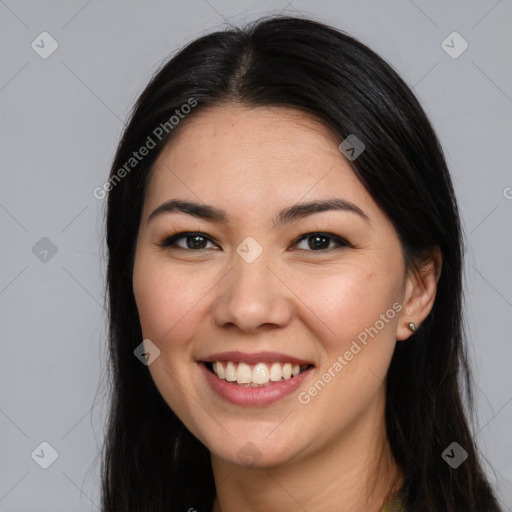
pixel 254 453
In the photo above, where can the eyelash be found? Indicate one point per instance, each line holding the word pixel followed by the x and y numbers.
pixel 169 242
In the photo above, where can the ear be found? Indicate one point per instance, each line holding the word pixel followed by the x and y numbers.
pixel 420 293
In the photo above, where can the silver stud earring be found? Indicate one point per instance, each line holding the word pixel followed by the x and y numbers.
pixel 412 326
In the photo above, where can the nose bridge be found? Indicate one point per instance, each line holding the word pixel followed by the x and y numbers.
pixel 251 295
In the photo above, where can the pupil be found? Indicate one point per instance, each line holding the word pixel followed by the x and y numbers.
pixel 195 239
pixel 321 245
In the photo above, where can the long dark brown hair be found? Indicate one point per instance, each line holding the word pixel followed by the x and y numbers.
pixel 150 461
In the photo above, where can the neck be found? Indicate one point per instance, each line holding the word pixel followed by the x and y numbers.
pixel 353 472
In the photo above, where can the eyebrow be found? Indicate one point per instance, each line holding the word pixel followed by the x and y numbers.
pixel 285 216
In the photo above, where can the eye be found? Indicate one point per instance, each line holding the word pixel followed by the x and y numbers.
pixel 319 242
pixel 192 241
pixel 314 242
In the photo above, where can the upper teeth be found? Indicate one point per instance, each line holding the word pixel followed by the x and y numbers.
pixel 260 373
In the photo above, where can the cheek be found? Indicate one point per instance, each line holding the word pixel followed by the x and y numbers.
pixel 165 302
pixel 349 301
pixel 356 324
pixel 164 298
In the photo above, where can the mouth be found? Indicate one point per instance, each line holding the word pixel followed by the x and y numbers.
pixel 259 380
pixel 258 375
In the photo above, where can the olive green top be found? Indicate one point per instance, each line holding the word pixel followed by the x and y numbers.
pixel 395 505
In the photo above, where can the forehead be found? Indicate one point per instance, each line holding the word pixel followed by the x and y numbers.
pixel 245 158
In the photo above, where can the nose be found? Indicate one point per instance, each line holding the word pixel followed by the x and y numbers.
pixel 252 297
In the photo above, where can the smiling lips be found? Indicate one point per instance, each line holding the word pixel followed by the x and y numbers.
pixel 263 368
pixel 251 394
pixel 260 373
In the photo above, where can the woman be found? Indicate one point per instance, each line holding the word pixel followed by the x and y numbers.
pixel 284 279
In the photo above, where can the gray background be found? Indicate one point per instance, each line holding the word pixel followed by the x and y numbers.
pixel 61 119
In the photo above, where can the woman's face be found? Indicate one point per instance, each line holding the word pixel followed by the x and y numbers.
pixel 254 284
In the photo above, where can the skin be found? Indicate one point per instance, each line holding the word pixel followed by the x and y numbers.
pixel 329 454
